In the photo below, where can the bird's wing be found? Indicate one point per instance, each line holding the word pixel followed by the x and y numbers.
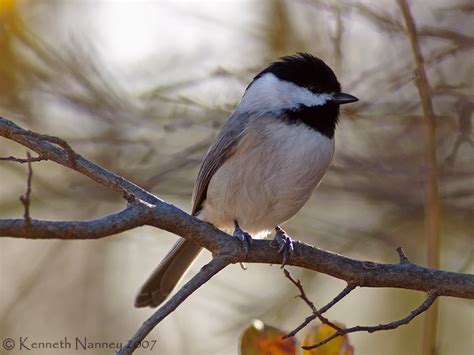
pixel 223 148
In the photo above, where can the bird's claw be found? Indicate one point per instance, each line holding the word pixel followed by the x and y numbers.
pixel 285 245
pixel 244 237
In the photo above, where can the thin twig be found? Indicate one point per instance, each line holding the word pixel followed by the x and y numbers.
pixel 432 296
pixel 402 256
pixel 432 203
pixel 25 198
pixel 55 140
pixel 324 309
pixel 311 305
pixel 41 144
pixel 23 160
pixel 209 270
pixel 303 324
pixel 348 289
pixel 424 89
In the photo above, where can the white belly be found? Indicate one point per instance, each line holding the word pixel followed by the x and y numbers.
pixel 269 178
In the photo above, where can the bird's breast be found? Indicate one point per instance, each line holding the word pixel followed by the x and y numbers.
pixel 271 175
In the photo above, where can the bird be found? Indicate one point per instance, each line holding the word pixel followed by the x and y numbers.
pixel 265 163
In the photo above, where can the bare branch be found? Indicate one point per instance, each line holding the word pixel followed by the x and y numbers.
pixel 311 305
pixel 68 158
pixel 324 309
pixel 432 296
pixel 55 140
pixel 424 89
pixel 206 272
pixel 172 219
pixel 25 198
pixel 145 209
pixel 432 202
pixel 348 289
pixel 402 256
pixel 131 217
pixel 22 160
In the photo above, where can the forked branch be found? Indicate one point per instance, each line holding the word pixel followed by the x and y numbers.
pixel 338 331
pixel 143 208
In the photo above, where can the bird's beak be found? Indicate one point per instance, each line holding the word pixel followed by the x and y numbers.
pixel 342 98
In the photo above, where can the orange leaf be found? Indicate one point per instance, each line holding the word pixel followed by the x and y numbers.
pixel 261 339
pixel 337 346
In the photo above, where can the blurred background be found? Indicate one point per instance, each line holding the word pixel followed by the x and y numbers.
pixel 142 88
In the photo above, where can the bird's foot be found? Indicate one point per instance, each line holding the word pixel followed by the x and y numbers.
pixel 284 244
pixel 244 237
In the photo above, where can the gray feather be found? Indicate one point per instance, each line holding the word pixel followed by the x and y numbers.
pixel 223 148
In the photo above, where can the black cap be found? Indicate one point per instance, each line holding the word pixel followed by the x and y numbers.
pixel 304 70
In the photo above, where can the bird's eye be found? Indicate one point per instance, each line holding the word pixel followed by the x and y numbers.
pixel 314 89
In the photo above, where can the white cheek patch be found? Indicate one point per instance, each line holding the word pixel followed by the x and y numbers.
pixel 269 93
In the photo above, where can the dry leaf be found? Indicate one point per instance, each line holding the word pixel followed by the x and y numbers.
pixel 337 346
pixel 262 339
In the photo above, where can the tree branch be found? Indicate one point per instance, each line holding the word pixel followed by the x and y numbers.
pixel 25 198
pixel 348 289
pixel 206 272
pixel 316 313
pixel 144 208
pixel 22 160
pixel 67 157
pixel 131 217
pixel 432 202
pixel 355 272
pixel 432 296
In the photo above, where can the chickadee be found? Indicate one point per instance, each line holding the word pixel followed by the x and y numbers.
pixel 266 161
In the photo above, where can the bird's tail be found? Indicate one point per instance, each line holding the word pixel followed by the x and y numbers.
pixel 167 274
